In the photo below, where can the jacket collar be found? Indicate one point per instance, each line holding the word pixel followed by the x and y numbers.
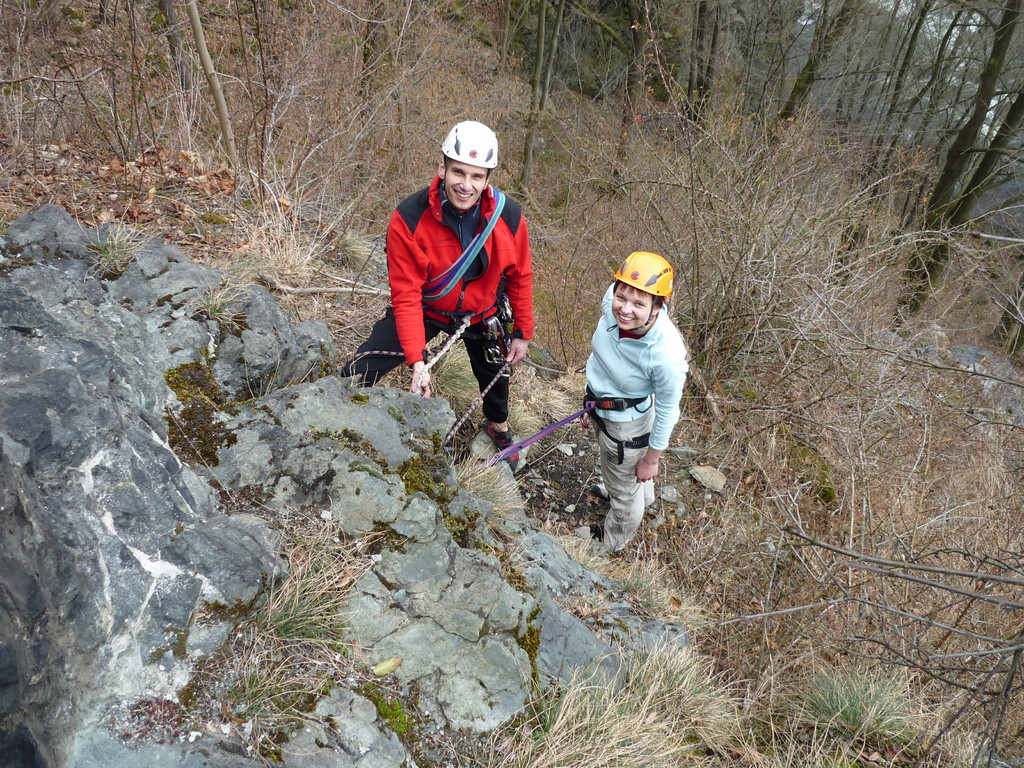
pixel 487 202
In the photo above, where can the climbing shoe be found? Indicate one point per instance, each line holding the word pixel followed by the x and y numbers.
pixel 595 532
pixel 503 440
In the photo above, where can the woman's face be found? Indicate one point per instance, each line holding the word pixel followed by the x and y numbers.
pixel 633 309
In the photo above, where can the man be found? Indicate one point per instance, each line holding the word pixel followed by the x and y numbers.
pixel 439 277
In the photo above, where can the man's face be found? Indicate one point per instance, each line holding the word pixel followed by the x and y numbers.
pixel 463 183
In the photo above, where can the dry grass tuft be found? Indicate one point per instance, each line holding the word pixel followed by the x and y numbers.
pixel 222 304
pixel 875 708
pixel 493 484
pixel 666 709
pixel 114 249
pixel 653 586
pixel 285 247
pixel 454 381
pixel 293 649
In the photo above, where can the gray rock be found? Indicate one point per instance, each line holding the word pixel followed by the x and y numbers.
pixel 113 550
pixel 349 735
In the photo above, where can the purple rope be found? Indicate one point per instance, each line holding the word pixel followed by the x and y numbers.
pixel 505 452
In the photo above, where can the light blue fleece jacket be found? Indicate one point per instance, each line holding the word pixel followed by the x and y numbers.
pixel 655 364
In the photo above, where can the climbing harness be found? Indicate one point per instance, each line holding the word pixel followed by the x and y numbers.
pixel 641 441
pixel 617 404
pixel 440 286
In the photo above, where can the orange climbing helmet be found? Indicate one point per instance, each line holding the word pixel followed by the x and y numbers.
pixel 647 272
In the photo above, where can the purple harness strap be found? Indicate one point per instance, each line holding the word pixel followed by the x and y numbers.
pixel 504 452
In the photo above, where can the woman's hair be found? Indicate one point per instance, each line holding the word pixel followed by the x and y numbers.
pixel 659 301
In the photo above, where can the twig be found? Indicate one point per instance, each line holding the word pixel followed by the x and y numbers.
pixel 697 378
pixel 938 585
pixel 349 281
pixel 929 622
pixel 279 286
pixel 902 563
pixel 984 236
pixel 55 80
pixel 751 617
pixel 540 367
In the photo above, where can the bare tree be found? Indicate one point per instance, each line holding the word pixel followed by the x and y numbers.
pixel 172 31
pixel 635 74
pixel 944 204
pixel 826 35
pixel 706 29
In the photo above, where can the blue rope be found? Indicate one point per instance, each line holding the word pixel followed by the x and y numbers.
pixel 442 284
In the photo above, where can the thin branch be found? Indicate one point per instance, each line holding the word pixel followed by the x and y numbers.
pixel 1000 238
pixel 930 622
pixel 937 585
pixel 902 563
pixel 768 614
pixel 349 281
pixel 279 286
pixel 55 80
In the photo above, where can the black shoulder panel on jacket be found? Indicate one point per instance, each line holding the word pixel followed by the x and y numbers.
pixel 512 214
pixel 413 207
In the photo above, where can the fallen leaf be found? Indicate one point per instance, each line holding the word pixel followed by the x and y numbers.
pixel 387 667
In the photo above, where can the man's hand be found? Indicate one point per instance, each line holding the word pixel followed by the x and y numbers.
pixel 517 351
pixel 420 379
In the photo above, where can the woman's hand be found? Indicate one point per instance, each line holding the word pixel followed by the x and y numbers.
pixel 647 467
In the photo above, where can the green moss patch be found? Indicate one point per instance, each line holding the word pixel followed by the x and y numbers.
pixel 196 432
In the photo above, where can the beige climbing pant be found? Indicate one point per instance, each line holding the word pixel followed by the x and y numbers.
pixel 626 497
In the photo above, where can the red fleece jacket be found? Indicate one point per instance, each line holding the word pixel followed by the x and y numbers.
pixel 420 247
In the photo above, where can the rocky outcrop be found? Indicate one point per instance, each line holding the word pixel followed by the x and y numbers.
pixel 143 395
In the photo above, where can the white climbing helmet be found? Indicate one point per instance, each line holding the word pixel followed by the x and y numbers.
pixel 472 143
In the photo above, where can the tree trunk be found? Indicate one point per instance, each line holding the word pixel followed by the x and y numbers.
pixel 899 81
pixel 635 73
pixel 960 153
pixel 536 84
pixel 826 36
pixel 552 49
pixel 963 207
pixel 1010 331
pixel 702 60
pixel 925 268
pixel 908 56
pixel 172 31
pixel 227 134
pixel 376 50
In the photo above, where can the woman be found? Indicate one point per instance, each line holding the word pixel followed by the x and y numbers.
pixel 635 374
